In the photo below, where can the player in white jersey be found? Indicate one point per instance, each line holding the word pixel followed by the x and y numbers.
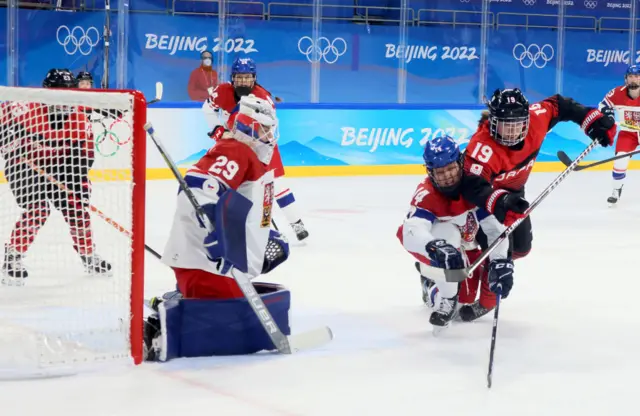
pixel 223 102
pixel 624 101
pixel 233 185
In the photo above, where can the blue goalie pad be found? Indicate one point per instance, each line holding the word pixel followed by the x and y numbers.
pixel 205 327
pixel 232 210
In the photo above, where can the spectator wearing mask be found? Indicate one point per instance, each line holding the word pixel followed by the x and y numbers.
pixel 203 79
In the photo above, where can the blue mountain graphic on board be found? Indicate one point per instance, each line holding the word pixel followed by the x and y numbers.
pixel 192 159
pixel 296 154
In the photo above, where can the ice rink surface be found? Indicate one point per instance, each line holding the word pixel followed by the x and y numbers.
pixel 568 338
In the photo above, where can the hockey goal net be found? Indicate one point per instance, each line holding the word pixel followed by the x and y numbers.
pixel 72 228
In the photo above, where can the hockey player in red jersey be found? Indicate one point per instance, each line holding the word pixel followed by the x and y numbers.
pixel 223 101
pixel 504 149
pixel 48 152
pixel 624 102
pixel 210 315
pixel 441 226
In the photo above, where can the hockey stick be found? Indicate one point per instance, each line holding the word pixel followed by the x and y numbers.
pixel 566 160
pixel 92 208
pixel 284 344
pixel 458 275
pixel 494 333
pixel 159 89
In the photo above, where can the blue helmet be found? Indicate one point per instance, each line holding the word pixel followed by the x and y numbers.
pixel 243 66
pixel 440 152
pixel 633 70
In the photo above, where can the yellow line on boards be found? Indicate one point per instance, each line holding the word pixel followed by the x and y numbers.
pixel 111 175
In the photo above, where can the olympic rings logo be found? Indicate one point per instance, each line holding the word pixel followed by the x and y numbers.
pixel 590 4
pixel 533 55
pixel 326 50
pixel 108 142
pixel 529 2
pixel 77 39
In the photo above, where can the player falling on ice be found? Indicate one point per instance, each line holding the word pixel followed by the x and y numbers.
pixel 504 149
pixel 48 152
pixel 235 168
pixel 624 102
pixel 441 227
pixel 222 102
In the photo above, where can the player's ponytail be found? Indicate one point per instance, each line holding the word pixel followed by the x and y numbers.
pixel 483 117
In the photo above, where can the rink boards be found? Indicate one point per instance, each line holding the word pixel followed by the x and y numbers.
pixel 334 140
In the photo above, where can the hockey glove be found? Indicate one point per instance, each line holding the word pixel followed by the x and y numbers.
pixel 276 253
pixel 507 207
pixel 599 127
pixel 216 133
pixel 501 276
pixel 444 255
pixel 215 252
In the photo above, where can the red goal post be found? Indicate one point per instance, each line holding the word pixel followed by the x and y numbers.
pixel 72 220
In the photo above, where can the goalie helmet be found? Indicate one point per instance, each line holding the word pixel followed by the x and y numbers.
pixel 256 125
pixel 443 161
pixel 632 77
pixel 508 116
pixel 243 76
pixel 59 78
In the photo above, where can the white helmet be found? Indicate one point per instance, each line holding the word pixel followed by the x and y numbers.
pixel 255 124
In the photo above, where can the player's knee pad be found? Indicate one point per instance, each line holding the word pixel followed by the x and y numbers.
pixel 202 328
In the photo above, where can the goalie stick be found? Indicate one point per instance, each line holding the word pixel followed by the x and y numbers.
pixel 566 160
pixel 284 344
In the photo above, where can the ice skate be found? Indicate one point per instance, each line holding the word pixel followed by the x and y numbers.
pixel 615 196
pixel 444 313
pixel 95 265
pixel 301 232
pixel 473 311
pixel 13 271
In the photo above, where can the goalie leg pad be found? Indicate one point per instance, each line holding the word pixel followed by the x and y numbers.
pixel 203 328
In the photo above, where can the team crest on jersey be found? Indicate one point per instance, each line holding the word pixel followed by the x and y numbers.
pixel 469 230
pixel 632 118
pixel 267 205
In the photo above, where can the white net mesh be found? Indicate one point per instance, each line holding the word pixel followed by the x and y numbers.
pixel 66 197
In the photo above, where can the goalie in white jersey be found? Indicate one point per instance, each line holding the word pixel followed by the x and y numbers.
pixel 232 183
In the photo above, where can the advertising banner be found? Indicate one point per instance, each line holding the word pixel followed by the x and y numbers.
pixel 324 141
pixel 358 63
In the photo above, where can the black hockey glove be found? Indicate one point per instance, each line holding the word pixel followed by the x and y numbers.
pixel 444 255
pixel 508 207
pixel 501 276
pixel 600 127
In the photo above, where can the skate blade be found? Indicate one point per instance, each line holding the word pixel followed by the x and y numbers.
pixel 438 330
pixel 12 281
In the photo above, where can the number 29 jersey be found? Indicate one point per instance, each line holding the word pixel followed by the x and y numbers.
pixel 229 164
pixel 509 167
